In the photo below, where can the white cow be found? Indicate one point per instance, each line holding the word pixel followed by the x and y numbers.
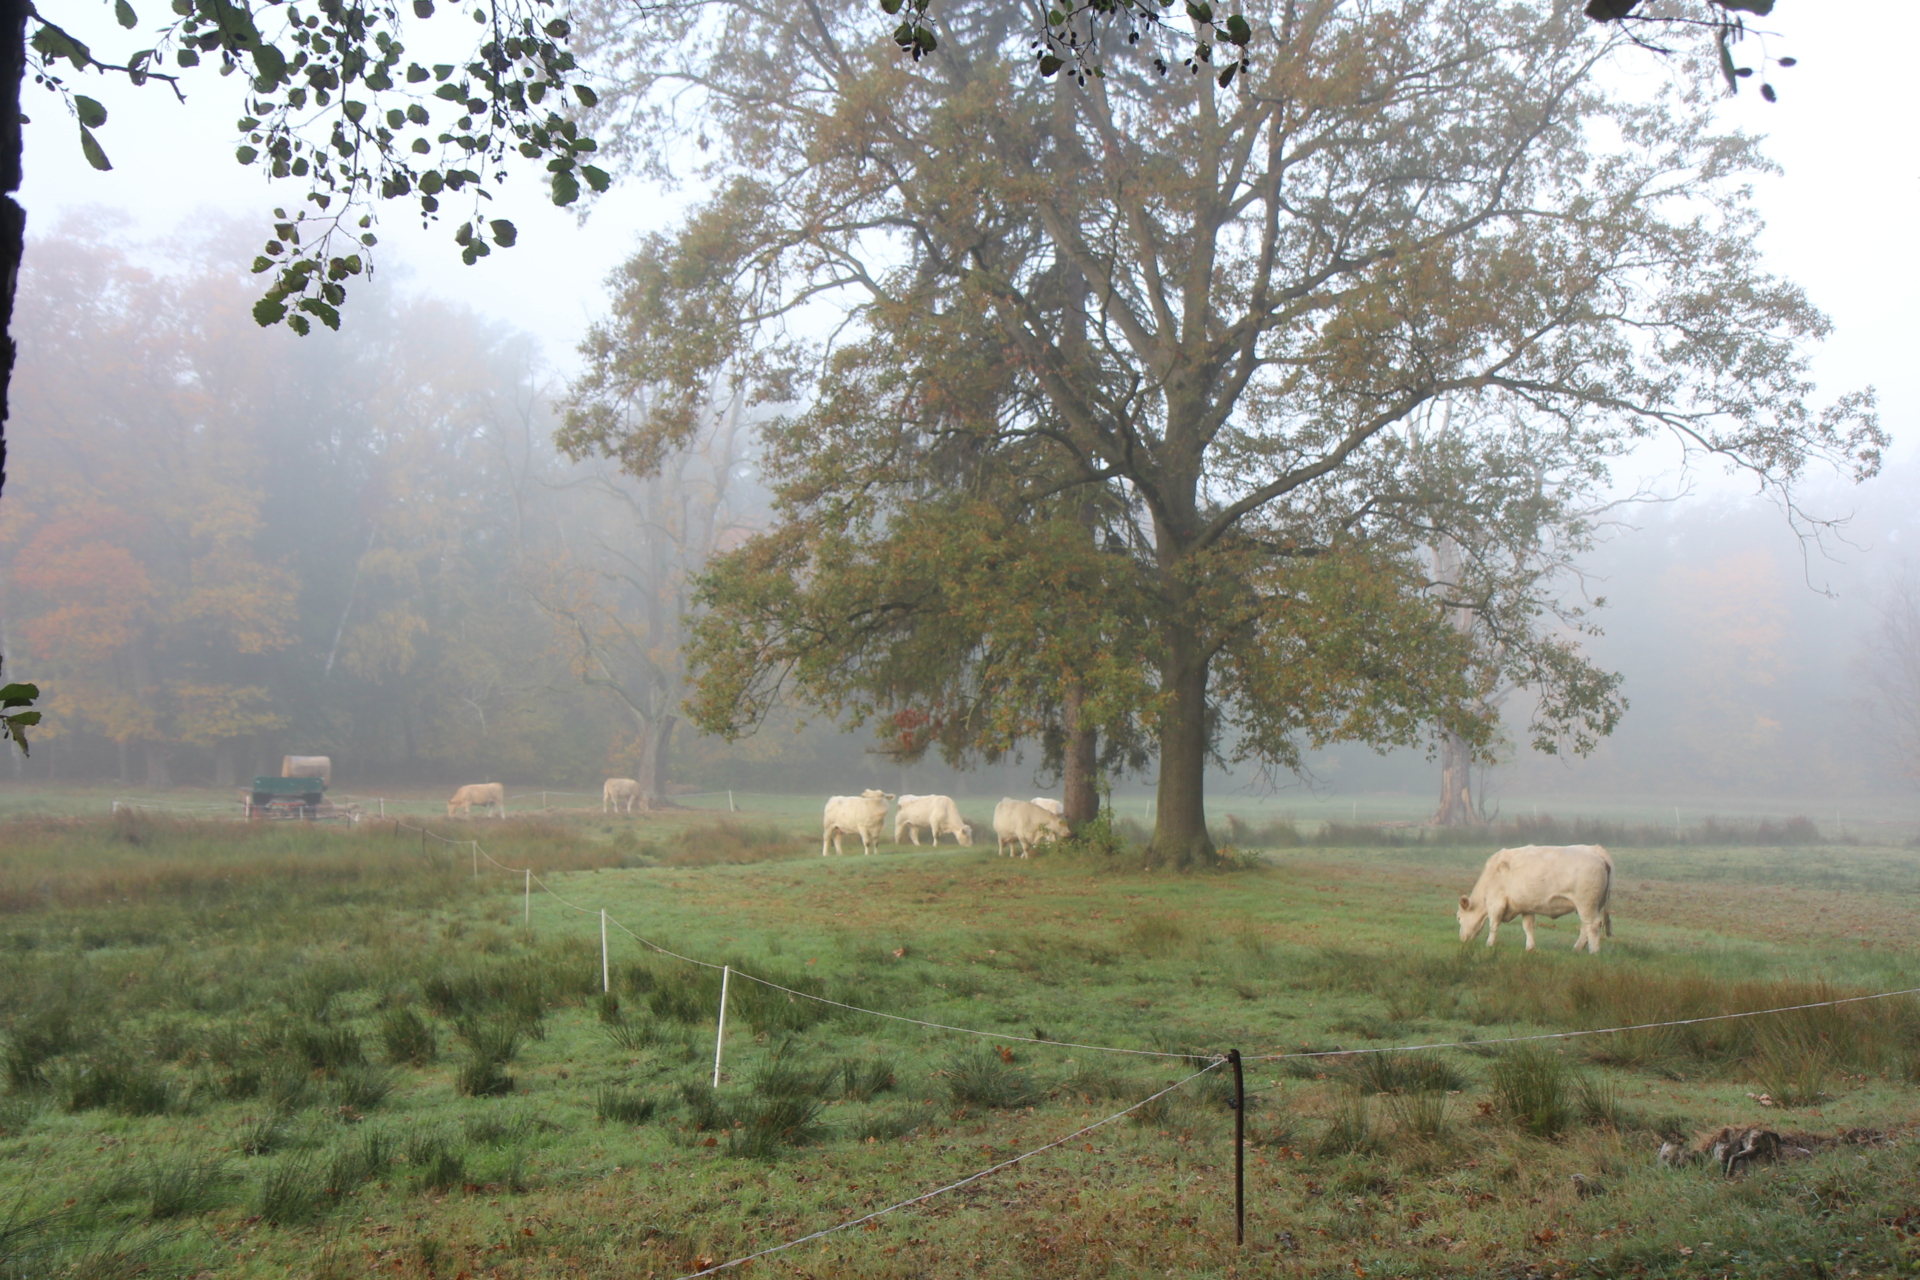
pixel 1026 824
pixel 938 814
pixel 488 795
pixel 1545 880
pixel 864 815
pixel 618 792
pixel 1051 805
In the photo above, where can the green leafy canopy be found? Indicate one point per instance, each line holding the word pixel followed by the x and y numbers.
pixel 333 100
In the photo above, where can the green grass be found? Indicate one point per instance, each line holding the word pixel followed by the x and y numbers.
pixel 364 1049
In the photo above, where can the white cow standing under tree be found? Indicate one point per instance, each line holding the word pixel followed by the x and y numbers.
pixel 938 814
pixel 619 793
pixel 1023 824
pixel 1542 880
pixel 864 815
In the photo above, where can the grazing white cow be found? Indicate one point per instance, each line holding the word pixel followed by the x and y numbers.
pixel 617 792
pixel 1051 805
pixel 864 815
pixel 488 795
pixel 1544 880
pixel 938 814
pixel 1026 824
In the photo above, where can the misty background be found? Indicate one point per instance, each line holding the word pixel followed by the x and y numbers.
pixel 364 544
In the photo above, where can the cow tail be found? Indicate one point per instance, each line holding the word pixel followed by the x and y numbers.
pixel 1606 902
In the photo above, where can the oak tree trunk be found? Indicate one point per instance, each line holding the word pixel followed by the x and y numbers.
pixel 1080 773
pixel 1180 836
pixel 1456 784
pixel 658 755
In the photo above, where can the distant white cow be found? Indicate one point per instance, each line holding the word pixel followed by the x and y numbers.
pixel 618 792
pixel 864 815
pixel 1545 880
pixel 1026 824
pixel 488 795
pixel 1051 805
pixel 938 814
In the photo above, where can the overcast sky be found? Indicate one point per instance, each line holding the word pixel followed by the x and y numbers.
pixel 1841 220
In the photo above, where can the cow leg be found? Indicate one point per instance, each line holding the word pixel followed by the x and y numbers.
pixel 1526 922
pixel 1493 923
pixel 1589 934
pixel 825 839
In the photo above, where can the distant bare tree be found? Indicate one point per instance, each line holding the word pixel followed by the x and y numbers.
pixel 1890 672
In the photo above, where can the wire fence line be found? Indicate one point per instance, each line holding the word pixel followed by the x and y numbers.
pixel 953 1186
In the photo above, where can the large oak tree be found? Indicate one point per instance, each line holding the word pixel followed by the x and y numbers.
pixel 1217 313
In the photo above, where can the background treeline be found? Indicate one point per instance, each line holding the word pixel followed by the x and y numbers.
pixel 220 544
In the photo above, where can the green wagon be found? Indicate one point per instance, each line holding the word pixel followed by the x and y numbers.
pixel 285 797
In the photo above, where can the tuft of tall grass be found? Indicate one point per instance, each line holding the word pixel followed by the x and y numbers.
pixel 182 1186
pixel 407 1038
pixel 17 1111
pixel 1422 1072
pixel 287 1087
pixel 1422 1114
pixel 1156 935
pixel 1350 1129
pixel 770 1123
pixel 262 1136
pixel 1793 1063
pixel 705 1110
pixel 289 1191
pixel 362 1088
pixel 624 1106
pixel 981 1078
pixel 123 1086
pixel 629 1036
pixel 859 1080
pixel 482 1077
pixel 358 1161
pixel 1533 1087
pixel 885 1125
pixel 437 1163
pixel 325 1048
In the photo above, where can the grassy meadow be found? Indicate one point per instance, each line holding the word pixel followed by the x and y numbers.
pixel 324 1052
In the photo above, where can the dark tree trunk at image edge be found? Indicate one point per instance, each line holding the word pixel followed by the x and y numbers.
pixel 13 219
pixel 1456 784
pixel 1079 780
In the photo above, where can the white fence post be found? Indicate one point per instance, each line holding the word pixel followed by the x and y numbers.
pixel 529 910
pixel 383 806
pixel 720 1036
pixel 476 858
pixel 730 808
pixel 606 974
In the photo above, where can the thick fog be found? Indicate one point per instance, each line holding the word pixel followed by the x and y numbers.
pixel 222 544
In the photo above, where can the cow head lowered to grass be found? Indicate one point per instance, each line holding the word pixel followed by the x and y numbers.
pixel 1546 880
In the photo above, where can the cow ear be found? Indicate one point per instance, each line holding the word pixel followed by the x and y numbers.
pixel 1465 904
